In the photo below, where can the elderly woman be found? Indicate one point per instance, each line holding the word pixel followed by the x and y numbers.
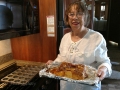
pixel 82 45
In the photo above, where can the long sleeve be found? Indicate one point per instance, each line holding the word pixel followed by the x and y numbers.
pixel 101 56
pixel 62 49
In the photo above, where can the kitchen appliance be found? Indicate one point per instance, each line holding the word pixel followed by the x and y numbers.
pixel 25 77
pixel 18 18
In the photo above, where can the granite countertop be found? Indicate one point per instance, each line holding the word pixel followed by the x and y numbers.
pixel 20 63
pixel 23 62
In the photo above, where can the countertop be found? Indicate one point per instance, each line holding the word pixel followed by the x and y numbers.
pixel 19 63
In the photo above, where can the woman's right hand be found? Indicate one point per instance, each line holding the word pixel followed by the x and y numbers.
pixel 49 62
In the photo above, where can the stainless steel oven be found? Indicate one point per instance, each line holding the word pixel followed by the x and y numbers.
pixel 18 18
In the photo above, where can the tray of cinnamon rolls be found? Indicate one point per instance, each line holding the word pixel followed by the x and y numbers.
pixel 77 73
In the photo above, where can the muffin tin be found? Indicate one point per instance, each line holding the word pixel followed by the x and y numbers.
pixel 22 75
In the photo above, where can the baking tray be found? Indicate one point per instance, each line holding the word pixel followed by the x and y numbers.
pixel 92 78
pixel 22 75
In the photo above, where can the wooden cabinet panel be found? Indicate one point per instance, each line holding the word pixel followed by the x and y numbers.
pixel 49 43
pixel 27 48
pixel 38 47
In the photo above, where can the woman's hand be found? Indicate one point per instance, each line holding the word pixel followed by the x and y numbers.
pixel 49 62
pixel 102 71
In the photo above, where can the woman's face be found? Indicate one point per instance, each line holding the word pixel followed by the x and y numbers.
pixel 75 18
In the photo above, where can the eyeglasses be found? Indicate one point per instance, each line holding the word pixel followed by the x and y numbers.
pixel 78 14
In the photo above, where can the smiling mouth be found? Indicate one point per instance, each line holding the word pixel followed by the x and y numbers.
pixel 75 23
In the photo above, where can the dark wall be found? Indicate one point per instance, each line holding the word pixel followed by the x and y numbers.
pixel 114 21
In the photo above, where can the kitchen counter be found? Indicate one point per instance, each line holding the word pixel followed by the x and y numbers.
pixel 23 62
pixel 19 63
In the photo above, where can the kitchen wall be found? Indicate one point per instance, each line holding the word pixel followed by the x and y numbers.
pixel 5 51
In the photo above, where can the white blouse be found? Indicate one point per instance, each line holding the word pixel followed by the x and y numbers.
pixel 90 50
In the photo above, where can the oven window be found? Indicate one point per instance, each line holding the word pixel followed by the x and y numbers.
pixel 18 18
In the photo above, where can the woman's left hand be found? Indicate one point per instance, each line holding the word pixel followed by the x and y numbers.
pixel 102 71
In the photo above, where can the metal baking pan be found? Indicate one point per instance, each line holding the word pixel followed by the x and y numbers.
pixel 92 78
pixel 22 75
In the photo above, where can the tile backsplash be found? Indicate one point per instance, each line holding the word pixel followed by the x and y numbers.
pixel 5 51
pixel 6 58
